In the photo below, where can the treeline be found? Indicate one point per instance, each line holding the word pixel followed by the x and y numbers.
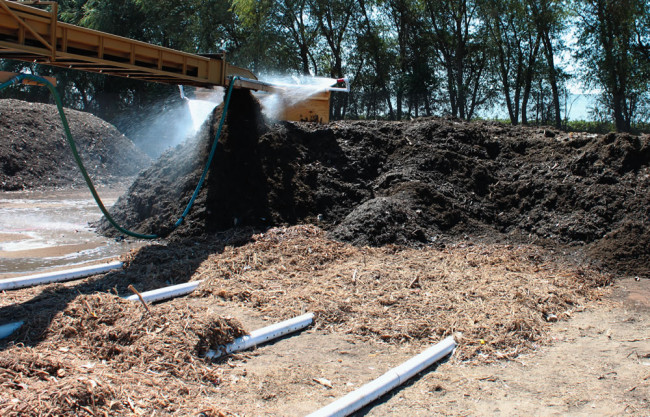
pixel 406 58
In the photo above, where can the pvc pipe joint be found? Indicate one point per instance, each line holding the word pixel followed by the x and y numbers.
pixel 263 335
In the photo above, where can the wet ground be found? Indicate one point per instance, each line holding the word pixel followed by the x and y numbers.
pixel 44 230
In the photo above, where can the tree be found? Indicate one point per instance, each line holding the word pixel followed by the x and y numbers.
pixel 413 68
pixel 516 43
pixel 614 55
pixel 400 12
pixel 264 47
pixel 277 35
pixel 169 23
pixel 374 51
pixel 420 78
pixel 297 17
pixel 335 17
pixel 548 17
pixel 214 29
pixel 460 40
pixel 119 17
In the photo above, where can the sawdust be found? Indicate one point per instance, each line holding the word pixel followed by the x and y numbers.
pixel 501 297
pixel 102 353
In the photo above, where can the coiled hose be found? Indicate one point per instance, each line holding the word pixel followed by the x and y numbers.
pixel 73 147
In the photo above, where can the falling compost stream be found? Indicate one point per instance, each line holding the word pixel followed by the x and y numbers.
pixel 43 230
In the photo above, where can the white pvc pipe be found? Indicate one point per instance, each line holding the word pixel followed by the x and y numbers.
pixel 48 277
pixel 166 292
pixel 149 296
pixel 363 396
pixel 259 336
pixel 7 329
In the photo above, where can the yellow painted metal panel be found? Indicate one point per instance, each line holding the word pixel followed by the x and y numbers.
pixel 78 46
pixel 313 109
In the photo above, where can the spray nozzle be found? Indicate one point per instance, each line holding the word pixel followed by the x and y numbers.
pixel 345 81
pixel 182 91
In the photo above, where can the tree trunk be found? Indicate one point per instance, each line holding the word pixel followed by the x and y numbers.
pixel 304 57
pixel 528 84
pixel 552 78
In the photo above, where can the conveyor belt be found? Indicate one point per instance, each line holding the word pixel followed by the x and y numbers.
pixel 35 35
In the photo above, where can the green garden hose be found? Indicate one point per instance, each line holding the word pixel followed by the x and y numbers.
pixel 212 152
pixel 73 147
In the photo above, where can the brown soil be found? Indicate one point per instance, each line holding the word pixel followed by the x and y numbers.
pixel 34 151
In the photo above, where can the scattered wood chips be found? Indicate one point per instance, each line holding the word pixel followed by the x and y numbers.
pixel 100 355
pixel 105 355
pixel 498 296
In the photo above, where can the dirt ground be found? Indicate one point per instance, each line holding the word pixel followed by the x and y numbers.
pixel 34 152
pixel 598 363
pixel 96 354
pixel 529 245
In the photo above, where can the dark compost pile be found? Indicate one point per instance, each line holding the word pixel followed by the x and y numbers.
pixel 409 183
pixel 34 151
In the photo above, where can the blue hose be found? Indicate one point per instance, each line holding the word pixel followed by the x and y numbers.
pixel 73 147
pixel 212 152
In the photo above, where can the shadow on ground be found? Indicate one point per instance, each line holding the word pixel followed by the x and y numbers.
pixel 152 267
pixel 395 392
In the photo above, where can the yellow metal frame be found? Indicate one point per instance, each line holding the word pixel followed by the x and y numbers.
pixel 313 109
pixel 35 35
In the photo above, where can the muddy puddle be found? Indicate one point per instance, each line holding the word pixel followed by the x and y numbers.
pixel 45 230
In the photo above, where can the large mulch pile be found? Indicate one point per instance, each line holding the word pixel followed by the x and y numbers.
pixel 104 355
pixel 410 183
pixel 34 151
pixel 501 297
pixel 98 354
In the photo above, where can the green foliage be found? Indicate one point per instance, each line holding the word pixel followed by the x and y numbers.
pixel 406 58
pixel 120 17
pixel 614 52
pixel 262 47
pixel 590 126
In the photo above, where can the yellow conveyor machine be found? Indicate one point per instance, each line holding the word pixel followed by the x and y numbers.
pixel 35 35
